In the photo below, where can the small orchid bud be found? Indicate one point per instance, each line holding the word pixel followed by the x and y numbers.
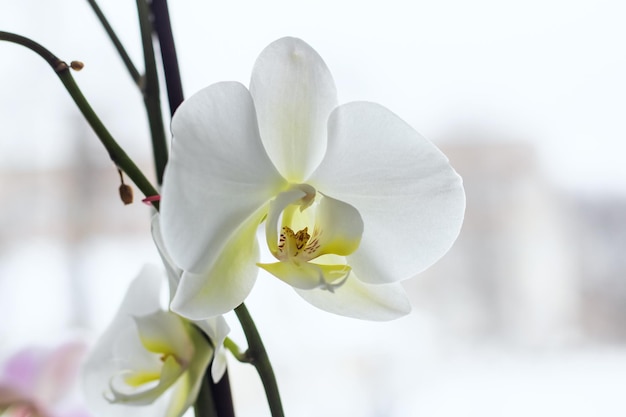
pixel 126 193
pixel 77 65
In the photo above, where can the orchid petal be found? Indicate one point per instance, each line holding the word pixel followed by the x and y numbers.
pixel 307 275
pixel 294 93
pixel 229 280
pixel 340 227
pixel 169 373
pixel 217 176
pixel 173 272
pixel 129 355
pixel 356 299
pixel 410 199
pixel 216 329
pixel 166 333
pixel 185 390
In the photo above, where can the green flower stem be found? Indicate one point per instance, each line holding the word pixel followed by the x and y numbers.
pixel 132 70
pixel 151 95
pixel 171 70
pixel 62 69
pixel 258 357
pixel 234 349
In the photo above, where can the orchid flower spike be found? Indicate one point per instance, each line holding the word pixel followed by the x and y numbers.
pixel 147 357
pixel 354 200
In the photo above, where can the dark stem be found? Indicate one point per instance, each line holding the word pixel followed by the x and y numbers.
pixel 163 29
pixel 220 392
pixel 132 70
pixel 151 94
pixel 222 395
pixel 62 69
pixel 205 403
pixel 260 360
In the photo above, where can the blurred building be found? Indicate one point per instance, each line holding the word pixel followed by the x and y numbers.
pixel 601 245
pixel 532 266
pixel 52 221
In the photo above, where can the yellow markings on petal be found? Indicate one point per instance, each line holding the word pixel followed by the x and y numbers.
pixel 336 227
pixel 179 397
pixel 300 246
pixel 137 379
pixel 167 347
pixel 308 275
pixel 291 244
pixel 158 346
pixel 165 334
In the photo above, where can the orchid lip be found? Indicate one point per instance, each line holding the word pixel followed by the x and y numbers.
pixel 311 225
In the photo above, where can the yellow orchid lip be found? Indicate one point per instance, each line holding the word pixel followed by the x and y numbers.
pixel 336 229
pixel 309 275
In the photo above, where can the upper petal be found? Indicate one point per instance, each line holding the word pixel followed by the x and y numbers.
pixel 217 176
pixel 410 199
pixel 294 93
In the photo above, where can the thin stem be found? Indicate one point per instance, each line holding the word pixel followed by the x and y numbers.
pixel 62 69
pixel 236 351
pixel 151 95
pixel 171 70
pixel 260 360
pixel 132 70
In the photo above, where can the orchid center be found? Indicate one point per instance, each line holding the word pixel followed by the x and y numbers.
pixel 162 352
pixel 310 234
pixel 297 246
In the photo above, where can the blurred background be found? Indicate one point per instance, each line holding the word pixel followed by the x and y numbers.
pixel 526 314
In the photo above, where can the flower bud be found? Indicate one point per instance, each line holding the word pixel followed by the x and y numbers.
pixel 77 65
pixel 126 194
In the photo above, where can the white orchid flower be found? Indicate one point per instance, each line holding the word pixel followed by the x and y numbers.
pixel 147 357
pixel 354 200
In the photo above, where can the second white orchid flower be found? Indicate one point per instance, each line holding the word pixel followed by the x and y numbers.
pixel 150 357
pixel 354 199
